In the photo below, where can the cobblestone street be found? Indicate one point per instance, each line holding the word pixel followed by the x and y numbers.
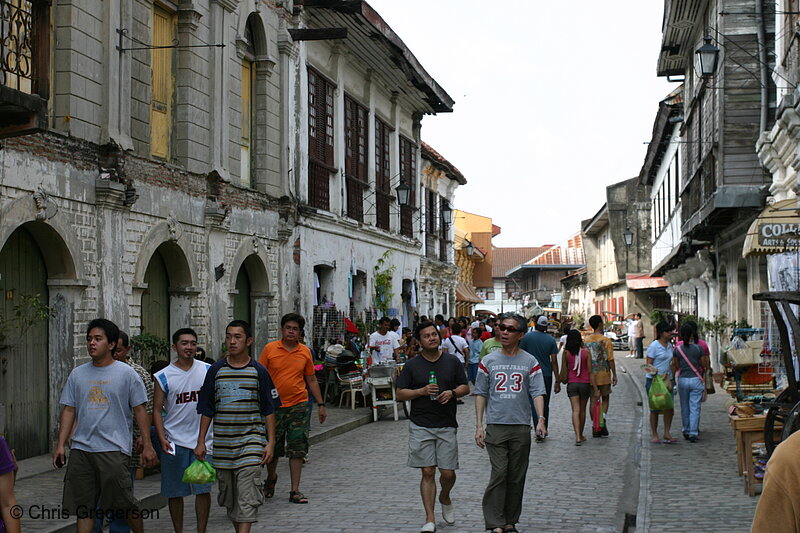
pixel 358 482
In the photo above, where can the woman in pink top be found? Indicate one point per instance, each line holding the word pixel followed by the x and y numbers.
pixel 580 381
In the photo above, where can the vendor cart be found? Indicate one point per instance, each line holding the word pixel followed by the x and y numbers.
pixel 785 410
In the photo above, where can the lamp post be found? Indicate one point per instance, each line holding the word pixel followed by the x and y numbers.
pixel 709 57
pixel 403 194
pixel 627 235
pixel 447 212
pixel 470 249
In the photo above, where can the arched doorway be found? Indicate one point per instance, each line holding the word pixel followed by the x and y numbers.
pixel 242 303
pixel 166 293
pixel 24 369
pixel 155 299
pixel 250 297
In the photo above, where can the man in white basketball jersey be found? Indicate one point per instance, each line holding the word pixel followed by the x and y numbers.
pixel 176 391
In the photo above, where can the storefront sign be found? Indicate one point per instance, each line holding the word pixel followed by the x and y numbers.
pixel 783 235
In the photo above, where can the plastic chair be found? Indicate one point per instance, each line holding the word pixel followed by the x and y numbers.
pixel 352 385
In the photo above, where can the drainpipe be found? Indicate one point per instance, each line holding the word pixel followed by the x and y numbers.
pixel 762 59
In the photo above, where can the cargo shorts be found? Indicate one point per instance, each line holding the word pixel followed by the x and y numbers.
pixel 291 431
pixel 93 476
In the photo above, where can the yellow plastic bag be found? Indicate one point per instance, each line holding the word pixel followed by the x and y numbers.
pixel 199 473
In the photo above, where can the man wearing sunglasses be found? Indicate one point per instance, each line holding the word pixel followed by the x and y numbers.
pixel 506 379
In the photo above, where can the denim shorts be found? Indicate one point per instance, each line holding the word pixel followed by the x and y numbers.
pixel 172 468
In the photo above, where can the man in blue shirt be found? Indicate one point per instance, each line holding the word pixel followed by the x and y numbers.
pixel 543 347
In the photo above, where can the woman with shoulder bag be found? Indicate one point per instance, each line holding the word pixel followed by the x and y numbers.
pixel 659 355
pixel 577 368
pixel 687 363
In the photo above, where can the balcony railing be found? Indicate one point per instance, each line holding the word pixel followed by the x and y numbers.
pixel 16 45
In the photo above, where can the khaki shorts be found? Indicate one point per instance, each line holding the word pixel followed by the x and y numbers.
pixel 93 476
pixel 432 447
pixel 240 492
pixel 605 390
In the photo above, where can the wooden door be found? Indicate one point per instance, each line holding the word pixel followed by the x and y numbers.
pixel 24 381
pixel 155 300
pixel 241 301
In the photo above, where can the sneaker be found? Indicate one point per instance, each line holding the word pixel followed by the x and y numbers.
pixel 596 434
pixel 449 514
pixel 692 439
pixel 428 527
pixel 604 430
pixel 685 436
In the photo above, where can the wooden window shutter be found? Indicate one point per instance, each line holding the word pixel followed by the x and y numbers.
pixel 247 121
pixel 163 83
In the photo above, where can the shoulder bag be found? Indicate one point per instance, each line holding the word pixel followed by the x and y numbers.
pixel 699 375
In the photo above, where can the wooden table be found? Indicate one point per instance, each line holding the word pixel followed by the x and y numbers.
pixel 749 431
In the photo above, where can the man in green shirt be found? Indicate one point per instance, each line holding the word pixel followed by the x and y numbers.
pixel 490 345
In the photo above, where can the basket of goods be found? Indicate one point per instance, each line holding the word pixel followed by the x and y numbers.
pixel 746 352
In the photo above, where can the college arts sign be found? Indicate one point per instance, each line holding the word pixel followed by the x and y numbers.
pixel 786 235
pixel 776 230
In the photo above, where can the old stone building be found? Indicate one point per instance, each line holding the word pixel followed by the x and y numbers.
pixel 709 184
pixel 182 164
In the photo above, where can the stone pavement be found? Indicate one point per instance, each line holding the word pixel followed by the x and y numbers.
pixel 692 487
pixel 359 482
pixel 39 486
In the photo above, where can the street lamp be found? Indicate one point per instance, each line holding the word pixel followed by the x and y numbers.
pixel 628 236
pixel 403 194
pixel 470 249
pixel 447 212
pixel 709 57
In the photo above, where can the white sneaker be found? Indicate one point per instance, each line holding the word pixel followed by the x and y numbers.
pixel 428 527
pixel 449 514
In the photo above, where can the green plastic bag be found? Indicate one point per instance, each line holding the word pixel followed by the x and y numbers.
pixel 659 397
pixel 199 473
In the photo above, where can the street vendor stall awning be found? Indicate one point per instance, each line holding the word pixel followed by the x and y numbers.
pixel 642 282
pixel 465 293
pixel 776 230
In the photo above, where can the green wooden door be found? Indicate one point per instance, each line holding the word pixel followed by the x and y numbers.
pixel 24 362
pixel 241 301
pixel 155 300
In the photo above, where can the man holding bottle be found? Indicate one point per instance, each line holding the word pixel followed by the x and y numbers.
pixel 433 382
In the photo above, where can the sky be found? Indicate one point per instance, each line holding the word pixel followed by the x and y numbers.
pixel 554 100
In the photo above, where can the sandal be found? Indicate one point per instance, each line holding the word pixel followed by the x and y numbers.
pixel 512 529
pixel 296 496
pixel 269 487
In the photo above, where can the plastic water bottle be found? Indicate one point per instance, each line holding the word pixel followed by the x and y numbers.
pixel 432 381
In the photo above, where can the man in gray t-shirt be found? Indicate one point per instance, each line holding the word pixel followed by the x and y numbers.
pixel 506 379
pixel 98 398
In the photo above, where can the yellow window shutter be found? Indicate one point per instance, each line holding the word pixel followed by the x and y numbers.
pixel 247 120
pixel 163 83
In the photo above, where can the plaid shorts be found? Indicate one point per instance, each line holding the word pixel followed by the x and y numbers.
pixel 291 431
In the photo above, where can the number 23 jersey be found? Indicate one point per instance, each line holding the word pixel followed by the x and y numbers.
pixel 507 382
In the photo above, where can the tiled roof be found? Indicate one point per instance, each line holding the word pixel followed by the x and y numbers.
pixel 569 252
pixel 432 154
pixel 504 259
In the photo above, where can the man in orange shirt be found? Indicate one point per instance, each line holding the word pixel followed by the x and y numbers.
pixel 292 370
